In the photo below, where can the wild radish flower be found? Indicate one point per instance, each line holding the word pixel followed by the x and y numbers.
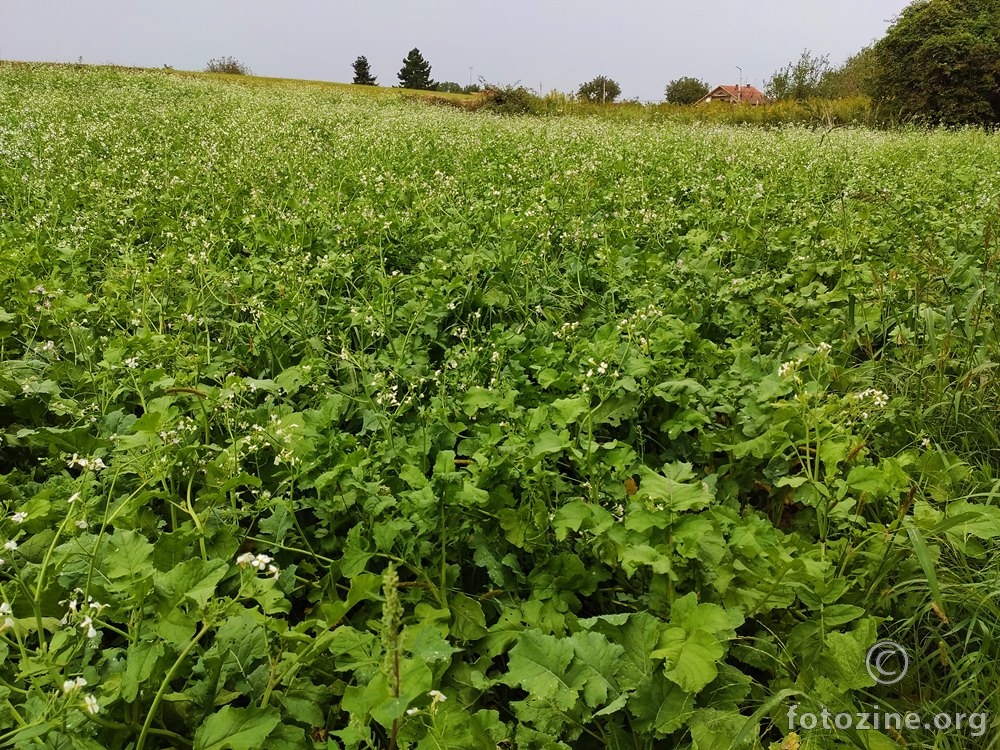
pixel 71 686
pixel 925 443
pixel 10 546
pixel 6 612
pixel 87 624
pixel 787 368
pixel 259 563
pixel 436 697
pixel 132 362
pixel 81 524
pixel 73 498
pixel 87 464
pixel 824 348
pixel 91 705
pixel 19 517
pixel 879 398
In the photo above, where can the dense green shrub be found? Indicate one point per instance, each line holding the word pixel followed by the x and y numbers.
pixel 227 65
pixel 508 100
pixel 940 62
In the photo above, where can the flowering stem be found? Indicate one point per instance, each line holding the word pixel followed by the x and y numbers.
pixel 41 581
pixel 146 727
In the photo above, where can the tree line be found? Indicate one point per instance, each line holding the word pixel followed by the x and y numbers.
pixel 939 62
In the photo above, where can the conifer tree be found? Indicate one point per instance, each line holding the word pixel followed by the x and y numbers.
pixel 363 73
pixel 416 72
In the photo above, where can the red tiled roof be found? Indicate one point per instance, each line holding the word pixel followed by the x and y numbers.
pixel 745 94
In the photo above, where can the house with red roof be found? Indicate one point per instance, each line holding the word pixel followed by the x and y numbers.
pixel 740 94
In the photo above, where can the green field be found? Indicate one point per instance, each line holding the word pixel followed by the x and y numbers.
pixel 342 421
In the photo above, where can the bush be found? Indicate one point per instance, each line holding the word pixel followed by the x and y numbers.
pixel 940 63
pixel 508 100
pixel 601 90
pixel 227 65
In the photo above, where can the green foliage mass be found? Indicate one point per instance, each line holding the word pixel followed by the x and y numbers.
pixel 600 90
pixel 416 72
pixel 685 90
pixel 801 79
pixel 940 63
pixel 332 420
pixel 363 73
pixel 227 64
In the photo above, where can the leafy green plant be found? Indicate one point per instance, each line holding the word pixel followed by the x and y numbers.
pixel 400 427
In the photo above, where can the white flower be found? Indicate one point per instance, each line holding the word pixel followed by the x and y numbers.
pixel 824 348
pixel 132 362
pixel 925 443
pixel 412 711
pixel 10 546
pixel 73 498
pixel 96 464
pixel 19 517
pixel 70 686
pixel 8 621
pixel 260 563
pixel 81 524
pixel 436 697
pixel 91 705
pixel 87 624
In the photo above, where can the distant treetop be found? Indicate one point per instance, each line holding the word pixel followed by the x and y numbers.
pixel 416 72
pixel 363 72
pixel 686 90
pixel 601 90
pixel 227 65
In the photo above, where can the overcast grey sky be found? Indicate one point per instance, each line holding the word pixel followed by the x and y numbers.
pixel 556 44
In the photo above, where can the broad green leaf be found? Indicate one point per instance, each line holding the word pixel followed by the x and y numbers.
pixel 128 555
pixel 660 707
pixel 595 667
pixel 678 489
pixel 141 659
pixel 538 664
pixel 194 580
pixel 236 729
pixel 468 622
pixel 690 658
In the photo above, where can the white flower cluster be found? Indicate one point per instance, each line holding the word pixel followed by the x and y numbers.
pixel 90 704
pixel 87 464
pixel 565 330
pixel 45 297
pixel 8 620
pixel 878 398
pixel 436 697
pixel 259 437
pixel 74 610
pixel 259 563
pixel 787 369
